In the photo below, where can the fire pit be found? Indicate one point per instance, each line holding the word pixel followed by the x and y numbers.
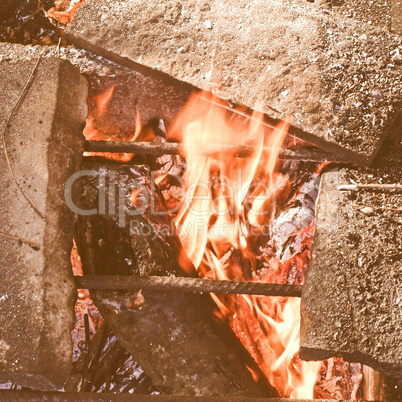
pixel 195 215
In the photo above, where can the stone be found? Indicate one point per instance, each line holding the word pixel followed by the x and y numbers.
pixel 352 297
pixel 377 12
pixel 134 95
pixel 333 78
pixel 396 21
pixel 44 147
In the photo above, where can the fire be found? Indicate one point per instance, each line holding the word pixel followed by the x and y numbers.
pixel 97 111
pixel 229 201
pixel 101 101
pixel 65 16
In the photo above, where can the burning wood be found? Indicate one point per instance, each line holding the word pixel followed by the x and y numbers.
pixel 255 327
pixel 354 86
pixel 175 337
pixel 245 207
pixel 114 125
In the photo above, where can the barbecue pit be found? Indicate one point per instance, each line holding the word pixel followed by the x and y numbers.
pixel 135 126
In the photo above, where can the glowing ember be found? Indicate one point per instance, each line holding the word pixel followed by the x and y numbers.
pixel 225 207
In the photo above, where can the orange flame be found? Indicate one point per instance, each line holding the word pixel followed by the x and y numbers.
pixel 65 16
pixel 95 117
pixel 101 101
pixel 225 204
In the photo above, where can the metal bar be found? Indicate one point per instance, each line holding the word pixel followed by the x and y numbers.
pixel 57 396
pixel 85 378
pixel 172 148
pixel 375 186
pixel 123 282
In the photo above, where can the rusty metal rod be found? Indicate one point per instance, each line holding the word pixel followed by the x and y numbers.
pixel 172 148
pixel 124 282
pixel 57 396
pixel 375 186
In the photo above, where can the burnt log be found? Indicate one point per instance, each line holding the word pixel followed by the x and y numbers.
pixel 175 336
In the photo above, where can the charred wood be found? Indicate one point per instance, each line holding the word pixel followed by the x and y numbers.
pixel 182 346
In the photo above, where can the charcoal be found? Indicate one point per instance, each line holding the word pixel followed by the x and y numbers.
pixel 23 22
pixel 183 348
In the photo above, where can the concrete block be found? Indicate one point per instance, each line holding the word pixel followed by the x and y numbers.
pixel 377 12
pixel 396 22
pixel 134 94
pixel 44 145
pixel 352 297
pixel 337 80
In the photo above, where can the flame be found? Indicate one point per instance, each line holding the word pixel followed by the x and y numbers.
pixel 65 16
pixel 101 101
pixel 228 200
pixel 97 113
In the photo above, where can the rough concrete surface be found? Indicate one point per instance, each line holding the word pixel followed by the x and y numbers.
pixel 134 94
pixel 352 297
pixel 43 140
pixel 377 12
pixel 396 21
pixel 336 78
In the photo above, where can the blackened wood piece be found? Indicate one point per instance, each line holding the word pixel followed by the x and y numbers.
pixel 176 338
